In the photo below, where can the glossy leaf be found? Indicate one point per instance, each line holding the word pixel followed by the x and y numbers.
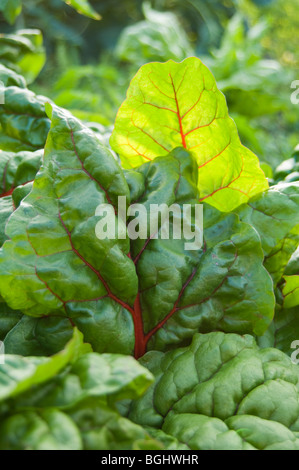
pixel 91 376
pixel 222 392
pixel 8 319
pixel 178 104
pixel 39 430
pixel 102 428
pixel 291 291
pixel 19 374
pixel 24 124
pixel 275 216
pixel 18 168
pixel 23 52
pixel 148 293
pixel 6 209
pixel 10 78
pixel 29 336
pixel 283 332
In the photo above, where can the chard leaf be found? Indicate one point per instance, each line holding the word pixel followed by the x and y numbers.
pixel 18 168
pixel 76 392
pixel 24 124
pixel 23 52
pixel 178 104
pixel 39 430
pixel 222 392
pixel 62 233
pixel 8 319
pixel 283 331
pixel 91 376
pixel 280 204
pixel 291 291
pixel 123 295
pixel 275 216
pixel 19 374
pixel 29 336
pixel 10 78
pixel 103 428
pixel 6 209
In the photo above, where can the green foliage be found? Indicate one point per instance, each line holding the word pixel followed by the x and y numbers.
pixel 222 392
pixel 67 402
pixel 84 8
pixel 162 112
pixel 159 37
pixel 74 309
pixel 23 52
pixel 11 9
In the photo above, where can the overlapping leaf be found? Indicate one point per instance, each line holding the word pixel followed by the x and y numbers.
pixel 18 168
pixel 275 216
pixel 23 52
pixel 23 121
pixel 122 295
pixel 68 401
pixel 291 291
pixel 222 392
pixel 178 104
pixel 19 374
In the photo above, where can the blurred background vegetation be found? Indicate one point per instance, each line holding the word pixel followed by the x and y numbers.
pixel 84 62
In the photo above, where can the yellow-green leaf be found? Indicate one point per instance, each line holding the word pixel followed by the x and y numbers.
pixel 173 105
pixel 291 291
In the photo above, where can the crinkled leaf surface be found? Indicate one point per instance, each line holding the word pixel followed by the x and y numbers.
pixel 39 430
pixel 73 405
pixel 103 428
pixel 30 336
pixel 24 124
pixel 10 78
pixel 6 209
pixel 8 319
pixel 23 52
pixel 275 216
pixel 18 374
pixel 178 104
pixel 283 331
pixel 291 291
pixel 18 168
pixel 124 296
pixel 222 392
pixel 92 375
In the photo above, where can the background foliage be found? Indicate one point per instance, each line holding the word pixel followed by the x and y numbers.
pixel 250 45
pixel 234 391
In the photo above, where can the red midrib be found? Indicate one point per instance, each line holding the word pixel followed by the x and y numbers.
pixel 141 339
pixel 178 114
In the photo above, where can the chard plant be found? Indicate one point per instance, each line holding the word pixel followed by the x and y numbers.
pixel 210 329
